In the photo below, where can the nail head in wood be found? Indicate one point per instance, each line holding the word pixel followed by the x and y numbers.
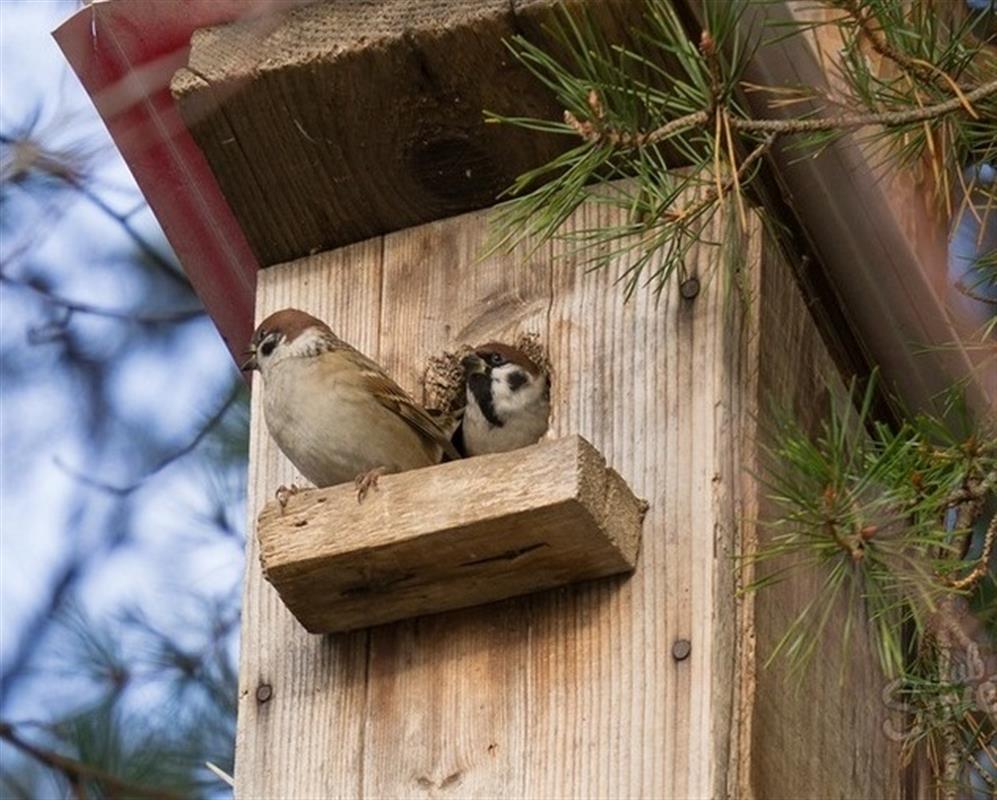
pixel 454 535
pixel 689 288
pixel 681 649
pixel 263 692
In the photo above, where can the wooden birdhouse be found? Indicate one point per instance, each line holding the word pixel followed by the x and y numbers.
pixel 333 158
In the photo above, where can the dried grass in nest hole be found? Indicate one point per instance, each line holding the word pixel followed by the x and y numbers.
pixel 443 383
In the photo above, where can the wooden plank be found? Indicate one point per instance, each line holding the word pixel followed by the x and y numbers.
pixel 301 698
pixel 825 734
pixel 449 701
pixel 347 119
pixel 655 390
pixel 645 687
pixel 450 536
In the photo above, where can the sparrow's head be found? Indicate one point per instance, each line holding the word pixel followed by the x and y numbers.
pixel 289 333
pixel 503 381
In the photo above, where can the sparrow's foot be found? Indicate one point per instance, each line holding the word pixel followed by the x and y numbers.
pixel 366 481
pixel 283 494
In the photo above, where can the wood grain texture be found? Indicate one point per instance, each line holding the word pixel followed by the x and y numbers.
pixel 347 119
pixel 314 689
pixel 453 535
pixel 827 735
pixel 572 692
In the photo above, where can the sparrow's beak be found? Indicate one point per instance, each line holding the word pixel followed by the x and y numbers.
pixel 250 362
pixel 473 363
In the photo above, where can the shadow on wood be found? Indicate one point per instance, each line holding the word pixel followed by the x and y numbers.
pixel 450 536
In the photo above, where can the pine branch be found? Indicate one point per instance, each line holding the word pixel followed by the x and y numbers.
pixel 842 122
pixel 919 69
pixel 983 563
pixel 78 774
pixel 715 193
pixel 888 119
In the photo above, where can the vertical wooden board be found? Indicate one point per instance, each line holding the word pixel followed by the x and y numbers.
pixel 304 739
pixel 448 693
pixel 573 692
pixel 652 386
pixel 570 693
pixel 826 734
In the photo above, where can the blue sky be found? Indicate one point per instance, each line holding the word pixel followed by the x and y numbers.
pixel 163 394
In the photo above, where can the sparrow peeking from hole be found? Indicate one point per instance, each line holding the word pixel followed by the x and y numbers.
pixel 508 400
pixel 335 413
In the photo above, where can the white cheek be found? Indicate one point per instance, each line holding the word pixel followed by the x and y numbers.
pixel 304 345
pixel 508 401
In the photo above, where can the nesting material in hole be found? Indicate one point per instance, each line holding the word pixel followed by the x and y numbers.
pixel 443 383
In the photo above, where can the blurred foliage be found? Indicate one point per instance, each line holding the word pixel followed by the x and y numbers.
pixel 124 448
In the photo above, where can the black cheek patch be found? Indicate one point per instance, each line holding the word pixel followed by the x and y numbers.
pixel 480 385
pixel 517 380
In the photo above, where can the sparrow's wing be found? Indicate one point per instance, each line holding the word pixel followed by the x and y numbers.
pixel 390 395
pixel 393 397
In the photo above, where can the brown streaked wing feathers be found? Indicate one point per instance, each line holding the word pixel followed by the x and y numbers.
pixel 392 396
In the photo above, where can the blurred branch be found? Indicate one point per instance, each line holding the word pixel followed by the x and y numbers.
pixel 974 295
pixel 29 156
pixel 164 264
pixel 76 306
pixel 77 773
pixel 164 462
pixel 65 579
pixel 715 193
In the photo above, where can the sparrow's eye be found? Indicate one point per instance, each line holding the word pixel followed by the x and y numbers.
pixel 268 345
pixel 495 360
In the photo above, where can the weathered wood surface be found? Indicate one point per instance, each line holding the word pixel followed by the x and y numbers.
pixel 343 120
pixel 573 692
pixel 450 536
pixel 830 734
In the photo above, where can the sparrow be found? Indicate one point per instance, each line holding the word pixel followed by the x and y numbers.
pixel 333 412
pixel 508 400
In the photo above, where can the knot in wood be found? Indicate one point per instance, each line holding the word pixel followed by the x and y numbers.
pixel 454 169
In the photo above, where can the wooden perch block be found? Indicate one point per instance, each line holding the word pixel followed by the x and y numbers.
pixel 455 535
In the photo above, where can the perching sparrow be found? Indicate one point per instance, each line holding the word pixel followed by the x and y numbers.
pixel 332 411
pixel 508 400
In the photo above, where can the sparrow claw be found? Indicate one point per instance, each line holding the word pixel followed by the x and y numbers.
pixel 284 493
pixel 366 481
